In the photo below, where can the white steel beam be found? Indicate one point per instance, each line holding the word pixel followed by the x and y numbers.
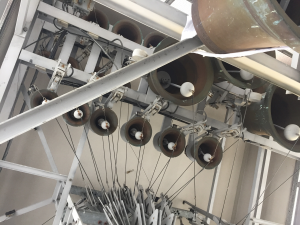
pixel 20 75
pixel 93 59
pixel 31 170
pixel 8 67
pixel 255 184
pixel 87 26
pixel 65 194
pixel 56 107
pixel 67 48
pixel 150 17
pixel 263 183
pixel 264 222
pixel 43 63
pixel 27 209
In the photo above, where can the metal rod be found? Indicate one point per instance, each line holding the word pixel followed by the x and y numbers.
pixel 56 107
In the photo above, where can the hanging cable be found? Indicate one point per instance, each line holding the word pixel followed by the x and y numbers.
pixel 118 145
pixel 126 145
pixel 154 169
pixel 105 162
pixel 75 155
pixel 48 220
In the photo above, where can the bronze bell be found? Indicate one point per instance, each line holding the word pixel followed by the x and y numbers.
pixel 104 121
pixel 208 152
pixel 98 17
pixel 153 39
pixel 171 142
pixel 190 68
pixel 226 72
pixel 128 30
pixel 227 26
pixel 79 116
pixel 272 114
pixel 137 131
pixel 41 96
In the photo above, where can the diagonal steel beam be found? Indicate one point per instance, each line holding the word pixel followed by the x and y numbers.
pixel 44 113
pixel 31 170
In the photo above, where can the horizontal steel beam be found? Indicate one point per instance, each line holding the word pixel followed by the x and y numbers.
pixel 31 170
pixel 264 222
pixel 27 209
pixel 166 23
pixel 87 26
pixel 56 107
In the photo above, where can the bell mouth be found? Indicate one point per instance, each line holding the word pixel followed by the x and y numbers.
pixel 98 17
pixel 153 39
pixel 172 135
pixel 284 111
pixel 101 115
pixel 128 30
pixel 70 118
pixel 39 96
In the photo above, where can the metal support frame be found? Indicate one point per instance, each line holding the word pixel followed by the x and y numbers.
pixel 293 195
pixel 56 107
pixel 27 209
pixel 33 171
pixel 67 188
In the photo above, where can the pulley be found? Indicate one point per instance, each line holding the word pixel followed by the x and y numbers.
pixel 137 131
pixel 167 81
pixel 207 152
pixel 236 25
pixel 41 97
pixel 104 121
pixel 98 17
pixel 171 142
pixel 153 39
pixel 79 116
pixel 128 30
pixel 272 115
pixel 235 76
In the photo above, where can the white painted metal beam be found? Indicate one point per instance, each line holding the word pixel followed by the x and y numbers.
pixel 264 222
pixel 31 170
pixel 27 209
pixel 87 26
pixel 150 17
pixel 56 107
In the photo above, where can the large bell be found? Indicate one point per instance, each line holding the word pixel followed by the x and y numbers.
pixel 208 152
pixel 98 17
pixel 276 111
pixel 79 116
pixel 226 72
pixel 226 26
pixel 190 68
pixel 104 121
pixel 171 142
pixel 137 131
pixel 153 39
pixel 40 97
pixel 128 30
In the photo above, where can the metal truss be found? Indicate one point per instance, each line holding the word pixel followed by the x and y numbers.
pixel 39 16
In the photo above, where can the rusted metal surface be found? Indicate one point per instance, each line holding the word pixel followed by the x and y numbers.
pixel 128 30
pixel 276 108
pixel 227 26
pixel 190 68
pixel 71 120
pixel 224 71
pixel 98 17
pixel 206 145
pixel 172 134
pixel 38 97
pixel 153 39
pixel 139 124
pixel 104 114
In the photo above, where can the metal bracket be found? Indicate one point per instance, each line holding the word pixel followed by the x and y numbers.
pixel 153 108
pixel 233 131
pixel 115 96
pixel 59 72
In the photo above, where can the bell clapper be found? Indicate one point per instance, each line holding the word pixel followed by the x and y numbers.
pixel 171 146
pixel 45 101
pixel 187 89
pixel 207 157
pixel 137 134
pixel 245 75
pixel 78 114
pixel 292 132
pixel 104 124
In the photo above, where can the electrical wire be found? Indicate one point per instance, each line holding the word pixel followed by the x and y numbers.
pixel 41 39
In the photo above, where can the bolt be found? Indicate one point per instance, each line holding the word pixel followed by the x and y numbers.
pixel 99 222
pixel 25 29
pixel 30 60
pixel 70 179
pixel 53 200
